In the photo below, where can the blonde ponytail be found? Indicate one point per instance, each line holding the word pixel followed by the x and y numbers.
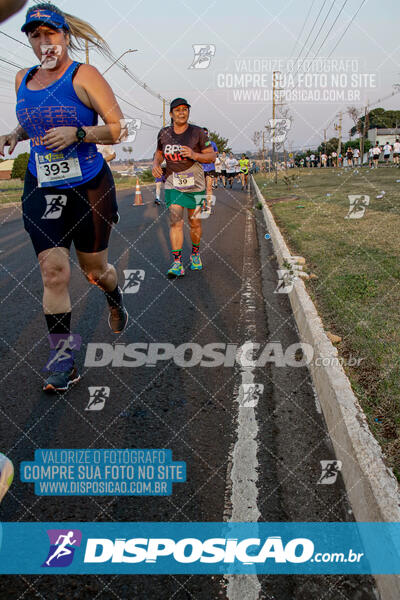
pixel 82 32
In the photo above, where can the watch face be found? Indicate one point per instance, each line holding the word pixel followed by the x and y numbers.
pixel 81 134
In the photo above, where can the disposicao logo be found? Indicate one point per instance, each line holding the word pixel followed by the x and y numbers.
pixel 62 547
pixel 191 550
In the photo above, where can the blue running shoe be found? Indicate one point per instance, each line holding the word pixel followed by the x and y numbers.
pixel 176 270
pixel 61 381
pixel 195 262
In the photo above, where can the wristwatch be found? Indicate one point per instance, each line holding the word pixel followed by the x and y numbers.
pixel 80 134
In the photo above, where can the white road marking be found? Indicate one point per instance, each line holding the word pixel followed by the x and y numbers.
pixel 243 474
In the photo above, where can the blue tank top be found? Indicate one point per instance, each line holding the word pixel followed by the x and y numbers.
pixel 58 106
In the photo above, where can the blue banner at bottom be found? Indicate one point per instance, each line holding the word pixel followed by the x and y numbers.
pixel 199 548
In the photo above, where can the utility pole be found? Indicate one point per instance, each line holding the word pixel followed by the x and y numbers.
pixel 263 150
pixel 274 105
pixel 339 129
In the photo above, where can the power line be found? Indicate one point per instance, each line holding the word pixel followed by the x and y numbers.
pixel 312 29
pixel 141 83
pixel 11 63
pixel 137 107
pixel 320 29
pixel 345 31
pixel 15 40
pixel 324 40
pixel 302 29
pixel 332 26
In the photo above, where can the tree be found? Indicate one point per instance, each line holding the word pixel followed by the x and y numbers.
pixel 355 144
pixel 354 114
pixel 20 165
pixel 379 118
pixel 258 142
pixel 221 142
pixel 331 146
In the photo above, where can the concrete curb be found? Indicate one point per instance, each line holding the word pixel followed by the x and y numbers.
pixel 372 489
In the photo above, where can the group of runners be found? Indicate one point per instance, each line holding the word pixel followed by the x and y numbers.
pixel 386 151
pixel 69 194
pixel 352 157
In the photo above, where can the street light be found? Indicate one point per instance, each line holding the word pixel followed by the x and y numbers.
pixel 118 59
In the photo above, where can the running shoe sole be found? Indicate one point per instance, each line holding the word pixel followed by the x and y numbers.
pixel 173 276
pixel 50 388
pixel 124 327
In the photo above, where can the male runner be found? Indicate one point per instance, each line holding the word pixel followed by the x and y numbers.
pixel 387 149
pixel 159 182
pixel 244 170
pixel 230 165
pixel 218 170
pixel 396 152
pixel 209 173
pixel 375 155
pixel 223 168
pixel 349 156
pixel 185 148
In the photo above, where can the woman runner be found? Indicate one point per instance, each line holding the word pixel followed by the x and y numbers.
pixel 69 194
pixel 184 147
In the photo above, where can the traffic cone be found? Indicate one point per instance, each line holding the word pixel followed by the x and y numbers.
pixel 138 194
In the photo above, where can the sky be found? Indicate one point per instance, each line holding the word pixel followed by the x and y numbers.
pixel 246 41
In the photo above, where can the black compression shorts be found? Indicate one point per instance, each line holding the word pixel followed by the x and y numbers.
pixel 81 214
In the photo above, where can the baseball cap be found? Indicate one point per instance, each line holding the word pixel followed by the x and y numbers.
pixel 45 17
pixel 179 102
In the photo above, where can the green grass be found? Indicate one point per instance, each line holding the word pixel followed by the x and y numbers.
pixel 10 190
pixel 357 262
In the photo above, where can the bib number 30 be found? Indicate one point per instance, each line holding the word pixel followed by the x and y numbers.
pixel 183 181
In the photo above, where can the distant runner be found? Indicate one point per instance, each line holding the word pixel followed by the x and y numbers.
pixel 387 149
pixel 230 164
pixel 396 152
pixel 223 158
pixel 218 170
pixel 185 148
pixel 159 182
pixel 209 173
pixel 376 151
pixel 244 170
pixel 349 156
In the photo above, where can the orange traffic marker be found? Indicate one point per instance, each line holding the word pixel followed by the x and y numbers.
pixel 138 194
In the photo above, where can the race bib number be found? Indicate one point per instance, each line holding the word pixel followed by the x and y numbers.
pixel 183 181
pixel 53 168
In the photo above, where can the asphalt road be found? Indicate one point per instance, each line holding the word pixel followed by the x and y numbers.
pixel 243 463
